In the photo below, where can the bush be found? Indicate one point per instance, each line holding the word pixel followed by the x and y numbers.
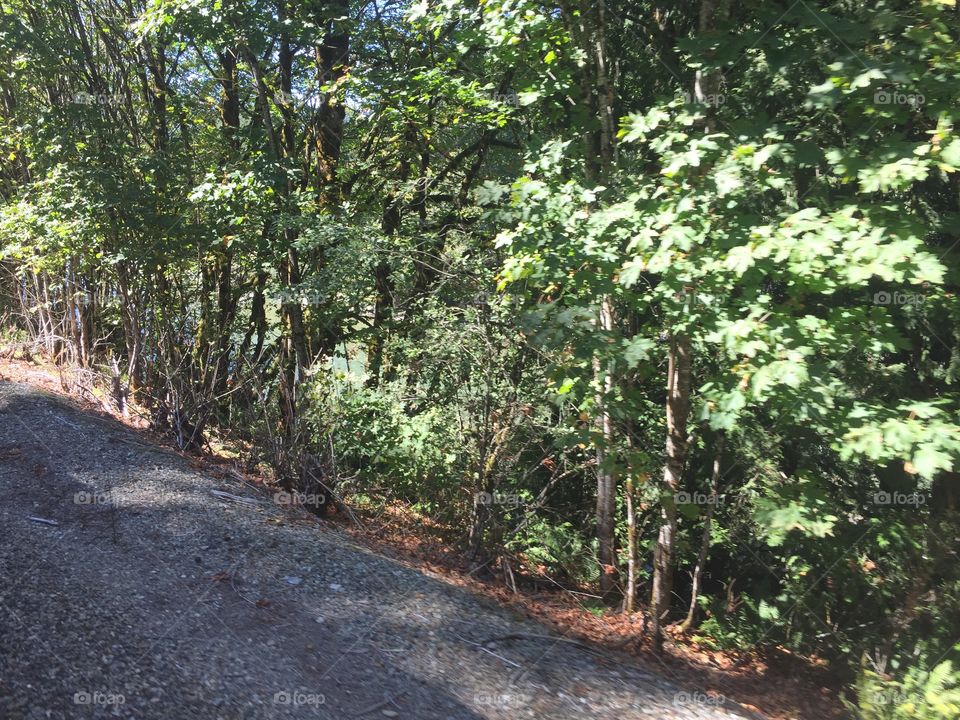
pixel 919 695
pixel 419 457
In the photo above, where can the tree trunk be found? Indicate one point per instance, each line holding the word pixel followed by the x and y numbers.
pixel 678 394
pixel 131 332
pixel 630 600
pixel 678 408
pixel 332 58
pixel 587 23
pixel 606 479
pixel 257 321
pixel 705 537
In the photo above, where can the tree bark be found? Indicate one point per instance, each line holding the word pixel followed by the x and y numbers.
pixel 587 24
pixel 630 599
pixel 678 408
pixel 705 538
pixel 606 479
pixel 678 395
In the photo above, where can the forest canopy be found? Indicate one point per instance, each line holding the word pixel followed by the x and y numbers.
pixel 656 299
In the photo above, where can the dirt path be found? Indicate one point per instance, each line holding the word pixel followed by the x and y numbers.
pixel 154 598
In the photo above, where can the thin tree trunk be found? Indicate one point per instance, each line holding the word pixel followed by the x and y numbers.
pixel 606 479
pixel 629 605
pixel 256 322
pixel 87 304
pixel 52 337
pixel 587 24
pixel 73 327
pixel 678 395
pixel 131 331
pixel 678 408
pixel 705 538
pixel 332 58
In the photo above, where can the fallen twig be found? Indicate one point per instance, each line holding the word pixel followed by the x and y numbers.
pixel 232 472
pixel 234 498
pixel 531 636
pixel 381 704
pixel 487 650
pixel 338 501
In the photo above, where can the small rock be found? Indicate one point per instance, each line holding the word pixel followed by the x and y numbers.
pixel 292 579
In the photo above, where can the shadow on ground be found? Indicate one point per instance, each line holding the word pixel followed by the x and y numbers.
pixel 152 598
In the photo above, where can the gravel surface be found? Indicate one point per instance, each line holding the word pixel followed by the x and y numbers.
pixel 154 598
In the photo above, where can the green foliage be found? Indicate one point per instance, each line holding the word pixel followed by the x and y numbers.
pixel 921 694
pixel 556 550
pixel 419 457
pixel 742 628
pixel 449 267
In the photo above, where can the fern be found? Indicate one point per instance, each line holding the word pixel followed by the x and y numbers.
pixel 920 695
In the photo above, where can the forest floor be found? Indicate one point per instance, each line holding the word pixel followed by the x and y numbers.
pixel 139 582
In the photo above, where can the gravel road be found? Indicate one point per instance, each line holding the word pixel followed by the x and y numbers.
pixel 152 597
